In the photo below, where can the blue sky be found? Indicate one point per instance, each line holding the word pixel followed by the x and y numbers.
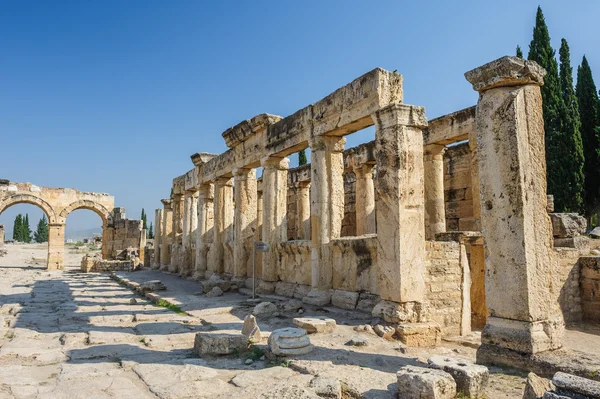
pixel 114 96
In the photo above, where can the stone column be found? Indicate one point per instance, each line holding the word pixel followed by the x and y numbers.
pixel 517 232
pixel 56 246
pixel 257 236
pixel 365 200
pixel 186 249
pixel 166 235
pixel 303 210
pixel 158 216
pixel 204 233
pixel 193 232
pixel 326 212
pixel 400 211
pixel 177 224
pixel 107 235
pixel 223 215
pixel 274 225
pixel 244 220
pixel 435 207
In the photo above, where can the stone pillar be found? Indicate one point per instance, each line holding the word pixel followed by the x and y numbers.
pixel 166 235
pixel 56 246
pixel 186 249
pixel 204 233
pixel 158 216
pixel 219 252
pixel 274 225
pixel 365 200
pixel 400 210
pixel 177 232
pixel 517 232
pixel 245 191
pixel 107 236
pixel 193 232
pixel 326 212
pixel 303 210
pixel 435 209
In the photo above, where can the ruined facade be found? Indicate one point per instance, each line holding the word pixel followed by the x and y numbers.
pixel 425 227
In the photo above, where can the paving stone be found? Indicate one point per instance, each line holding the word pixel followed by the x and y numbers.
pixel 327 387
pixel 316 324
pixel 263 377
pixel 425 383
pixel 471 379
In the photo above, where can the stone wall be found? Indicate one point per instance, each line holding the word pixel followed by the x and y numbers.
pixel 349 220
pixel 123 234
pixel 91 264
pixel 457 186
pixel 569 272
pixel 590 288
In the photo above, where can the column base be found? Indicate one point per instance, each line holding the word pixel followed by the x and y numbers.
pixel 523 336
pixel 318 297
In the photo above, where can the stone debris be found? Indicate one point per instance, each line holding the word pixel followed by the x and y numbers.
pixel 265 309
pixel 366 328
pixel 216 281
pixel 290 342
pixel 425 383
pixel 250 329
pixel 152 285
pixel 471 379
pixel 536 387
pixel 565 225
pixel 216 291
pixel 316 324
pixel 358 341
pixel 385 332
pixel 211 343
pixel 572 386
pixel 133 301
pixel 327 387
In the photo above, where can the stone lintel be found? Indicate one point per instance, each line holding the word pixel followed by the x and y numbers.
pixel 464 237
pixel 243 130
pixel 401 114
pixel 200 158
pixel 451 128
pixel 327 143
pixel 179 184
pixel 506 71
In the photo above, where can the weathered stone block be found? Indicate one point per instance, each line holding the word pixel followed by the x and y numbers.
pixel 264 309
pixel 208 343
pixel 344 299
pixel 366 302
pixel 424 383
pixel 576 387
pixel 536 387
pixel 250 329
pixel 471 379
pixel 316 324
pixel 567 224
pixel 327 387
pixel 420 334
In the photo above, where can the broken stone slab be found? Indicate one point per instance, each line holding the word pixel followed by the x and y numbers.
pixel 424 383
pixel 210 343
pixel 366 302
pixel 250 328
pixel 327 387
pixel 394 312
pixel 289 342
pixel 565 225
pixel 215 292
pixel 316 324
pixel 420 334
pixel 152 285
pixel 265 309
pixel 471 379
pixel 318 298
pixel 536 387
pixel 344 299
pixel 217 282
pixel 385 332
pixel 576 387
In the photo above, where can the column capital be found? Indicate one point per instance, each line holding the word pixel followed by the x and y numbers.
pixel 206 191
pixel 274 162
pixel 433 150
pixel 177 197
pixel 363 170
pixel 327 143
pixel 223 181
pixel 302 184
pixel 506 71
pixel 244 173
pixel 400 114
pixel 167 204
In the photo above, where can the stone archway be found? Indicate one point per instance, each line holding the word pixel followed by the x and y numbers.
pixel 30 199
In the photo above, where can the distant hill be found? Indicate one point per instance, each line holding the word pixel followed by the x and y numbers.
pixel 79 234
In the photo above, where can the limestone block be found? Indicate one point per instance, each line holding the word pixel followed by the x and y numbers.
pixel 265 287
pixel 318 298
pixel 327 387
pixel 386 332
pixel 366 302
pixel 535 387
pixel 344 299
pixel 292 305
pixel 250 329
pixel 209 343
pixel 216 282
pixel 573 386
pixel 316 324
pixel 424 383
pixel 552 395
pixel 471 379
pixel 393 312
pixel 289 342
pixel 595 233
pixel 285 289
pixel 216 291
pixel 567 224
pixel 301 291
pixel 580 242
pixel 152 285
pixel 420 334
pixel 265 309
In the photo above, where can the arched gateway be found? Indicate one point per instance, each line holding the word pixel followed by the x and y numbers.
pixel 57 204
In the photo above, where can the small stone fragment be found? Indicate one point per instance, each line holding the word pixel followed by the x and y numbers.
pixel 248 362
pixel 536 387
pixel 386 332
pixel 264 309
pixel 133 301
pixel 216 291
pixel 316 324
pixel 358 341
pixel 424 383
pixel 251 329
pixel 152 285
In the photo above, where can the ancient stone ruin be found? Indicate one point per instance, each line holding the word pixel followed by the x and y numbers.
pixel 426 226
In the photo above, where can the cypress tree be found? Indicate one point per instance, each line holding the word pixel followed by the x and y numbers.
pixel 519 52
pixel 572 147
pixel 41 233
pixel 302 158
pixel 589 111
pixel 541 52
pixel 143 218
pixel 18 228
pixel 26 229
pixel 150 232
